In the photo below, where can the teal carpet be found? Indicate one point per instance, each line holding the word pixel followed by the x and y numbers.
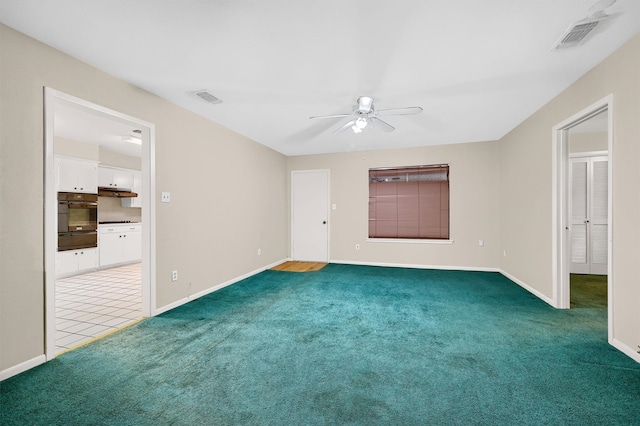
pixel 344 345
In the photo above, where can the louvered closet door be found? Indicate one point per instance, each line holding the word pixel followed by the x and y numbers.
pixel 589 208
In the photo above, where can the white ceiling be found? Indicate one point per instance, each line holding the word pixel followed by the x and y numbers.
pixel 477 68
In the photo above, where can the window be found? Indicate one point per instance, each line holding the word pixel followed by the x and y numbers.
pixel 409 202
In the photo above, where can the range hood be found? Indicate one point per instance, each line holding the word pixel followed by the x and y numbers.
pixel 115 192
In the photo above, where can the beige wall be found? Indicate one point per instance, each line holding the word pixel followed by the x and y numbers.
pixel 228 193
pixel 474 175
pixel 89 151
pixel 76 149
pixel 525 191
pixel 110 208
pixel 110 158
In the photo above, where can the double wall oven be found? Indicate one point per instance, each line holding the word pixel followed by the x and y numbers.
pixel 77 221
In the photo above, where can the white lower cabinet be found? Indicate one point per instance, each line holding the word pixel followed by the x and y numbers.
pixel 120 243
pixel 71 262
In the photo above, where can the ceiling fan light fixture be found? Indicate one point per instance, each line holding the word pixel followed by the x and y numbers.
pixel 364 112
pixel 359 125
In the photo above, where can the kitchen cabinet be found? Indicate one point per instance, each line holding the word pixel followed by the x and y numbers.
pixel 73 175
pixel 114 177
pixel 119 243
pixel 137 188
pixel 71 262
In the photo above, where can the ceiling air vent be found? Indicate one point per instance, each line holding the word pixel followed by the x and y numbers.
pixel 206 96
pixel 577 32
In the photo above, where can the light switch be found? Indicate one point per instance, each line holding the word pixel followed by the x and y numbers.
pixel 333 206
pixel 166 197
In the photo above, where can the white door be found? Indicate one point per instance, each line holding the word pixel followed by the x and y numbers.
pixel 589 208
pixel 310 215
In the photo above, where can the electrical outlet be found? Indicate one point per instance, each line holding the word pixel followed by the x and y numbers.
pixel 357 246
pixel 174 276
pixel 259 252
pixel 481 243
pixel 166 197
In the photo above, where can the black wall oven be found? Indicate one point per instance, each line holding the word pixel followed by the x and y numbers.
pixel 77 221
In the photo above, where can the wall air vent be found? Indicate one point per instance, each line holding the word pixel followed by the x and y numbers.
pixel 577 32
pixel 206 96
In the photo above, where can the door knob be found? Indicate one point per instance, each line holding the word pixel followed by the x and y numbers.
pixel 324 222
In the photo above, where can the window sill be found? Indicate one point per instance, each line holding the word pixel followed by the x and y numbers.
pixel 408 241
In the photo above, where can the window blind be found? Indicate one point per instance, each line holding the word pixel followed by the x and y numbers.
pixel 409 202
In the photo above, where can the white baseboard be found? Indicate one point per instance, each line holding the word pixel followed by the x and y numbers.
pixel 528 288
pixel 169 307
pixel 414 266
pixel 199 294
pixel 23 366
pixel 630 352
pixel 452 268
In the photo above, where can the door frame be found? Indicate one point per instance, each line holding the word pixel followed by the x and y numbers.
pixel 561 240
pixel 327 173
pixel 53 97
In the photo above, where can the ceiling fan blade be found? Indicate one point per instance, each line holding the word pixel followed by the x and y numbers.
pixel 381 124
pixel 399 111
pixel 332 116
pixel 344 127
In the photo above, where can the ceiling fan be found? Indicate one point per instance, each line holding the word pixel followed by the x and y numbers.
pixel 364 114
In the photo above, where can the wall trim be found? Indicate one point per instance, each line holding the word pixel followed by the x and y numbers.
pixel 453 268
pixel 23 366
pixel 216 287
pixel 416 266
pixel 530 289
pixel 630 352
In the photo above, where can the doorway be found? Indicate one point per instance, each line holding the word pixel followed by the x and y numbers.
pixel 565 236
pixel 589 221
pixel 310 215
pixel 55 104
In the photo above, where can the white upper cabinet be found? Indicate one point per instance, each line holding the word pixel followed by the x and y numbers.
pixel 137 188
pixel 76 175
pixel 113 177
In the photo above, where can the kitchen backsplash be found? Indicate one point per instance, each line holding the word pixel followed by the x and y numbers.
pixel 110 210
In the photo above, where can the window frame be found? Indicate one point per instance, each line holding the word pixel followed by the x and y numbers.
pixel 417 239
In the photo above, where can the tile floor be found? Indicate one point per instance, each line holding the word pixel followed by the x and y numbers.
pixel 90 305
